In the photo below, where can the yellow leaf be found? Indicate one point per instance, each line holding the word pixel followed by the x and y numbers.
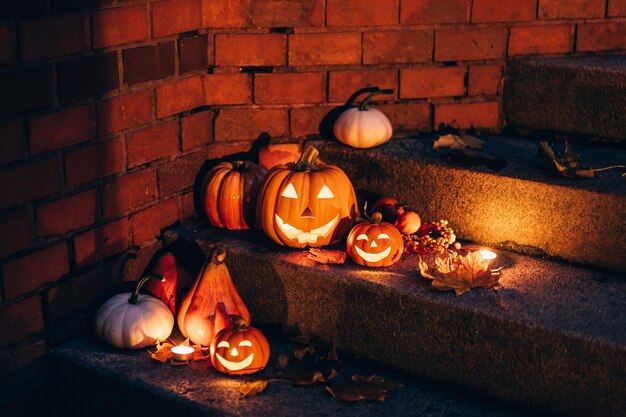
pixel 327 256
pixel 252 388
pixel 458 142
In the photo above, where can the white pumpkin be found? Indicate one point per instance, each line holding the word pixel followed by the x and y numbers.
pixel 133 320
pixel 361 127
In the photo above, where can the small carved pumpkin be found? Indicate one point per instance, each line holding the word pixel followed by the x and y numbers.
pixel 361 127
pixel 133 320
pixel 306 203
pixel 208 306
pixel 375 243
pixel 239 350
pixel 229 194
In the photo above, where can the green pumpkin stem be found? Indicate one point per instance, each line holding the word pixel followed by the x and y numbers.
pixel 376 218
pixel 307 161
pixel 365 102
pixel 218 254
pixel 143 280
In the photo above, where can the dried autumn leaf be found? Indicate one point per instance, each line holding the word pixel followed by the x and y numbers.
pixel 282 362
pixel 371 388
pixel 252 388
pixel 162 352
pixel 326 256
pixel 568 163
pixel 458 142
pixel 306 375
pixel 301 353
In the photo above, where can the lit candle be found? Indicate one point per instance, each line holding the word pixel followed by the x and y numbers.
pixel 487 254
pixel 182 353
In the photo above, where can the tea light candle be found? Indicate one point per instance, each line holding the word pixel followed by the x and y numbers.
pixel 488 255
pixel 182 353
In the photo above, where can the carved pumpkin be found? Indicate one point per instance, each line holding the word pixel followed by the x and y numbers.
pixel 306 203
pixel 229 194
pixel 361 127
pixel 176 281
pixel 239 350
pixel 375 243
pixel 208 306
pixel 133 320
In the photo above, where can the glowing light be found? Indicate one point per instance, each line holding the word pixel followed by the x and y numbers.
pixel 182 353
pixel 487 254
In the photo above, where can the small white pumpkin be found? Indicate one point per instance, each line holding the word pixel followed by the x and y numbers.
pixel 133 320
pixel 361 127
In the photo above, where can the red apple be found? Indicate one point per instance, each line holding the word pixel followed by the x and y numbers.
pixel 389 208
pixel 409 222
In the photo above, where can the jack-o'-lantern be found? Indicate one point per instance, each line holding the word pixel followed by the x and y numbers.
pixel 375 243
pixel 239 350
pixel 306 203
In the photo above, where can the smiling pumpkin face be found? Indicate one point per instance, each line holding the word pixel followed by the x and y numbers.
pixel 375 243
pixel 306 204
pixel 239 350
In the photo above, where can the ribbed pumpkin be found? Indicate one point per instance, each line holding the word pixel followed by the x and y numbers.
pixel 239 350
pixel 176 281
pixel 306 203
pixel 229 194
pixel 210 302
pixel 374 243
pixel 361 127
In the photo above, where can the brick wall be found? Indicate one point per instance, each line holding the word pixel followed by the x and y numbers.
pixel 109 107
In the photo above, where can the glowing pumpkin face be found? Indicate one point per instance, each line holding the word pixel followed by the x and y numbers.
pixel 306 204
pixel 239 350
pixel 375 243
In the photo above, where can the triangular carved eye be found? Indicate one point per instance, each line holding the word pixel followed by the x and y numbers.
pixel 289 192
pixel 325 193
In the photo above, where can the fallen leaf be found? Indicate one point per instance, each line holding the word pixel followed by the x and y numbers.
pixel 327 256
pixel 568 163
pixel 331 355
pixel 371 388
pixel 301 353
pixel 162 352
pixel 282 362
pixel 458 142
pixel 306 375
pixel 252 388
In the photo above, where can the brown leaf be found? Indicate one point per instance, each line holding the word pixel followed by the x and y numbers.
pixel 307 375
pixel 458 142
pixel 301 353
pixel 252 388
pixel 162 352
pixel 282 362
pixel 371 388
pixel 327 256
pixel 568 163
pixel 330 356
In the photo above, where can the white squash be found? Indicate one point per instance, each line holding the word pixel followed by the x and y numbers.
pixel 361 127
pixel 133 320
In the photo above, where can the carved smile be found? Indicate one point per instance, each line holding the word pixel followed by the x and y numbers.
pixel 235 366
pixel 306 237
pixel 373 257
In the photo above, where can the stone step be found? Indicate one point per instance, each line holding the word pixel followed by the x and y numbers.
pixel 515 201
pixel 578 95
pixel 553 338
pixel 92 379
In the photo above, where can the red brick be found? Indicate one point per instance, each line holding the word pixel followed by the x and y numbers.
pixel 100 243
pixel 324 48
pixel 11 147
pixel 53 36
pixel 484 79
pixel 616 8
pixel 503 10
pixel 342 84
pixel 155 142
pixel 6 46
pixel 28 182
pixel 418 12
pixel 127 193
pixel 571 9
pixel 29 272
pixel 20 320
pixel 176 16
pixel 123 112
pixel 250 49
pixel 220 150
pixel 83 292
pixel 279 154
pixel 179 174
pixel 93 162
pixel 286 13
pixel 193 53
pixel 224 13
pixel 306 120
pixel 147 224
pixel 88 76
pixel 197 129
pixel 66 214
pixel 397 47
pixel 149 62
pixel 466 115
pixel 601 36
pixel 248 124
pixel 426 82
pixel 119 25
pixel 15 234
pixel 464 44
pixel 179 96
pixel 289 88
pixel 187 207
pixel 362 12
pixel 524 40
pixel 26 89
pixel 56 130
pixel 227 89
pixel 407 117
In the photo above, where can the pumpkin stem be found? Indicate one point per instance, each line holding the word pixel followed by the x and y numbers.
pixel 364 103
pixel 376 218
pixel 240 166
pixel 143 280
pixel 307 160
pixel 217 255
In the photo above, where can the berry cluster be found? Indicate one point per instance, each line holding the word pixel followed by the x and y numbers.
pixel 431 237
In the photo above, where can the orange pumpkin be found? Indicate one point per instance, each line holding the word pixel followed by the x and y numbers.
pixel 306 203
pixel 210 304
pixel 229 194
pixel 239 350
pixel 375 243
